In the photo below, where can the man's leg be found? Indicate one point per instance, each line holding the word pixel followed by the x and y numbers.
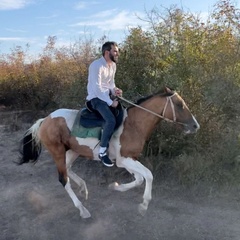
pixel 108 128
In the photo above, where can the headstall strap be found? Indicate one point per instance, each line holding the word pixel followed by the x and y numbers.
pixel 169 99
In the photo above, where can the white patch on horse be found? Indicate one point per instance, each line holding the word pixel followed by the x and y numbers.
pixel 68 114
pixel 197 124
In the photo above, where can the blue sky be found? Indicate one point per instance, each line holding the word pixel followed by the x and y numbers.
pixel 32 21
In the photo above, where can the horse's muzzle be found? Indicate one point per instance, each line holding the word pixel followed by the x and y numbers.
pixel 192 127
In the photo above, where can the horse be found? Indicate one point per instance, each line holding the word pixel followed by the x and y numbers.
pixel 125 147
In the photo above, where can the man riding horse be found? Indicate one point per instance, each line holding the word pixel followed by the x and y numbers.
pixel 101 92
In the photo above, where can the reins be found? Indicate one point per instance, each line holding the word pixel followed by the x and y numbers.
pixel 169 99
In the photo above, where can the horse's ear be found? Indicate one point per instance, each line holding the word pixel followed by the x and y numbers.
pixel 167 90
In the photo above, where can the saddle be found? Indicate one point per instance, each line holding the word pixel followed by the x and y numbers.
pixel 89 123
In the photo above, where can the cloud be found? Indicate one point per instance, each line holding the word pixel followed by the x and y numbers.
pixel 103 14
pixel 17 40
pixel 15 30
pixel 81 5
pixel 84 5
pixel 12 39
pixel 48 17
pixel 13 4
pixel 112 20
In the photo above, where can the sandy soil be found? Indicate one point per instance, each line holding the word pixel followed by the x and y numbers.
pixel 34 205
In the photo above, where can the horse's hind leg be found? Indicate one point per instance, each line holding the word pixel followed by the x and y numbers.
pixel 84 213
pixel 64 179
pixel 55 135
pixel 58 153
pixel 71 156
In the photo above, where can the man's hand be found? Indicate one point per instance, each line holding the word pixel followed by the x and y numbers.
pixel 118 92
pixel 115 103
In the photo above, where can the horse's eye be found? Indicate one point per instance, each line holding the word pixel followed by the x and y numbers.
pixel 180 105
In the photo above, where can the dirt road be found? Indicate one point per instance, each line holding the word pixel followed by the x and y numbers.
pixel 34 205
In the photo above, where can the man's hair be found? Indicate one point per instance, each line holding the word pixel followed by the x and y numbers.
pixel 107 46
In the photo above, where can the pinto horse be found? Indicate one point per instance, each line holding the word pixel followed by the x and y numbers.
pixel 126 144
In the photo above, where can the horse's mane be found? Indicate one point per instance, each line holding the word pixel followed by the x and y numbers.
pixel 162 93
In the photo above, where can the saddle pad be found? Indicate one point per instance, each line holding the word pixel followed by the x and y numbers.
pixel 82 132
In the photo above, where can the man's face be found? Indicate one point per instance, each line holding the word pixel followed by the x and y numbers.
pixel 114 53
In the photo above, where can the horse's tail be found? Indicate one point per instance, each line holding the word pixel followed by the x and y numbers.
pixel 30 145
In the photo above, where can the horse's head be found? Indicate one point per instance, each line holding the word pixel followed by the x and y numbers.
pixel 176 110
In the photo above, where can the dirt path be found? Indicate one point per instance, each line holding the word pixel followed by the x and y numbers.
pixel 34 205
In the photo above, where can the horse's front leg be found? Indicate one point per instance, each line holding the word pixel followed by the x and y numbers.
pixel 140 172
pixel 126 186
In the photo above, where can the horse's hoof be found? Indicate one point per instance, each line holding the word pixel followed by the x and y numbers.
pixel 113 186
pixel 86 214
pixel 142 209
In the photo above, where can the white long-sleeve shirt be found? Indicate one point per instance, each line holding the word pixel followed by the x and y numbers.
pixel 101 80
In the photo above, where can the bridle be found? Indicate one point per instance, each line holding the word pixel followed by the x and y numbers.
pixel 168 100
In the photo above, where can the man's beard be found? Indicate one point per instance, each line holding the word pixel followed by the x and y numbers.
pixel 114 59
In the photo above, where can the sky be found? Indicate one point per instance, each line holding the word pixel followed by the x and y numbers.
pixel 31 22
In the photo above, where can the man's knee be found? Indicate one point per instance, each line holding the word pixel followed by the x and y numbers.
pixel 111 122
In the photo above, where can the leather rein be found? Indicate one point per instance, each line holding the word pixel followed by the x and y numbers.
pixel 169 100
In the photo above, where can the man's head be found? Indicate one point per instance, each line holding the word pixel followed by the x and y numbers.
pixel 110 51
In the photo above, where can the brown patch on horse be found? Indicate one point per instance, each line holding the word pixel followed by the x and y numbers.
pixel 54 132
pixel 56 137
pixel 137 130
